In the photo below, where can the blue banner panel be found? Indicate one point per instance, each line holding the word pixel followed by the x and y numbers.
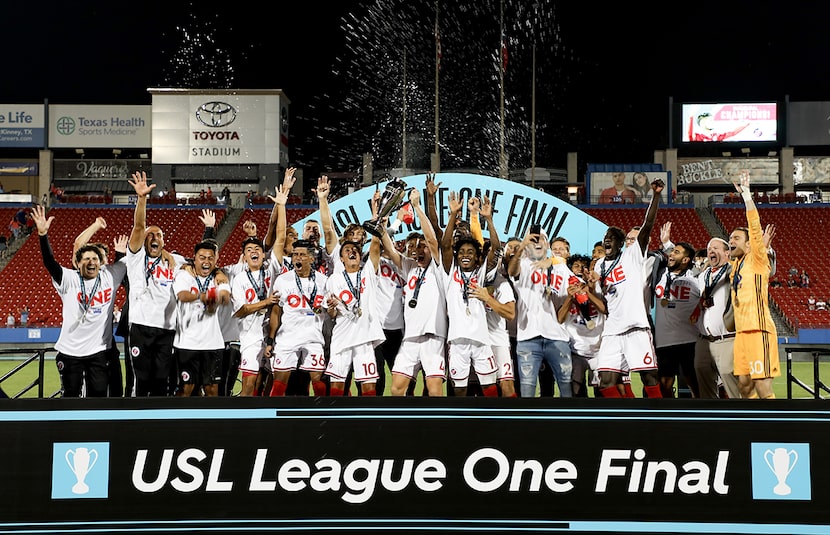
pixel 413 465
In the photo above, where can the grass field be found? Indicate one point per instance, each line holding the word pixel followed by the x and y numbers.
pixel 803 370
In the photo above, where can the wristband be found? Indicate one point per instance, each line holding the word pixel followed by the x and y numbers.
pixel 746 194
pixel 269 341
pixel 396 224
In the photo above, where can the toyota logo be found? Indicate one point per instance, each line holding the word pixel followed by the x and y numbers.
pixel 216 114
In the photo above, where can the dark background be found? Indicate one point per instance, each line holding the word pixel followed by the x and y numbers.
pixel 605 72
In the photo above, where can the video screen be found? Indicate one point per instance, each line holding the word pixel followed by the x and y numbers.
pixel 725 123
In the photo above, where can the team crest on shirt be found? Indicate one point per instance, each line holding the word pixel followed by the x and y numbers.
pixel 134 351
pixel 185 376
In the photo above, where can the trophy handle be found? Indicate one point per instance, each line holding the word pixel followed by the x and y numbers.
pixel 794 455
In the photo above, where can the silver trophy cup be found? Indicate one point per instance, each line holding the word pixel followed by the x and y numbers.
pixel 389 202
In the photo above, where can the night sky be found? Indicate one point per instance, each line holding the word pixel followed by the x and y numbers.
pixel 604 73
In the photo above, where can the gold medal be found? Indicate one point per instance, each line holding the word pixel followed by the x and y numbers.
pixel 590 324
pixel 664 302
pixel 468 311
pixel 548 291
pixel 358 312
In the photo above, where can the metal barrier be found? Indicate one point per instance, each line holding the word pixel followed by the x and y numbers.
pixel 816 352
pixel 39 356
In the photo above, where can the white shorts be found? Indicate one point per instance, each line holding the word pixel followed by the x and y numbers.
pixel 504 363
pixel 310 357
pixel 253 358
pixel 361 357
pixel 462 354
pixel 425 351
pixel 632 351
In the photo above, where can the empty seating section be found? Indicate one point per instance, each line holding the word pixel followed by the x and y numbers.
pixel 686 225
pixel 26 281
pixel 796 229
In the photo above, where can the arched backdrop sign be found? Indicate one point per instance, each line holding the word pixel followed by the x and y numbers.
pixel 515 208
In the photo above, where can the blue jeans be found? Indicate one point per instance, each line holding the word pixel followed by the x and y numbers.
pixel 557 354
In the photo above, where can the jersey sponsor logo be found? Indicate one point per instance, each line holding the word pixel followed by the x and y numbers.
pixel 781 471
pixel 617 275
pixel 101 298
pixel 162 273
pixel 80 470
pixel 386 271
pixel 301 301
pixel 555 280
pixel 678 293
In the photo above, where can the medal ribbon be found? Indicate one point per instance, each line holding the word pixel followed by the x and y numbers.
pixel 313 288
pixel 151 269
pixel 86 300
pixel 261 290
pixel 355 293
pixel 419 282
pixel 204 287
pixel 465 291
pixel 710 285
pixel 604 273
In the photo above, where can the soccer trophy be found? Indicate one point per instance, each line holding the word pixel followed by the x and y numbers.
pixel 389 201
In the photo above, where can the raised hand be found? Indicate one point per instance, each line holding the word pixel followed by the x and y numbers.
pixel 432 187
pixel 119 243
pixel 41 221
pixel 208 217
pixel 323 187
pixel 455 202
pixel 486 209
pixel 140 185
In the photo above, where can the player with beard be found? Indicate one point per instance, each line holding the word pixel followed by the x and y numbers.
pixel 466 268
pixel 152 303
pixel 357 328
pixel 677 294
pixel 425 317
pixel 295 334
pixel 541 289
pixel 756 342
pixel 251 299
pixel 199 343
pixel 627 344
pixel 88 296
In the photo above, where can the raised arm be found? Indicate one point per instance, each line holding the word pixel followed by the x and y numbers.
pixel 142 190
pixel 651 215
pixel 83 238
pixel 42 223
pixel 389 249
pixel 326 221
pixel 446 239
pixel 271 232
pixel 486 212
pixel 280 200
pixel 432 212
pixel 426 225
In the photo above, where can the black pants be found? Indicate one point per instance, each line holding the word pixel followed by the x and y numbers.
pixel 151 352
pixel 90 372
pixel 385 356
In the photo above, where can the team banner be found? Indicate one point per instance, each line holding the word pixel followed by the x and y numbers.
pixel 413 464
pixel 515 208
